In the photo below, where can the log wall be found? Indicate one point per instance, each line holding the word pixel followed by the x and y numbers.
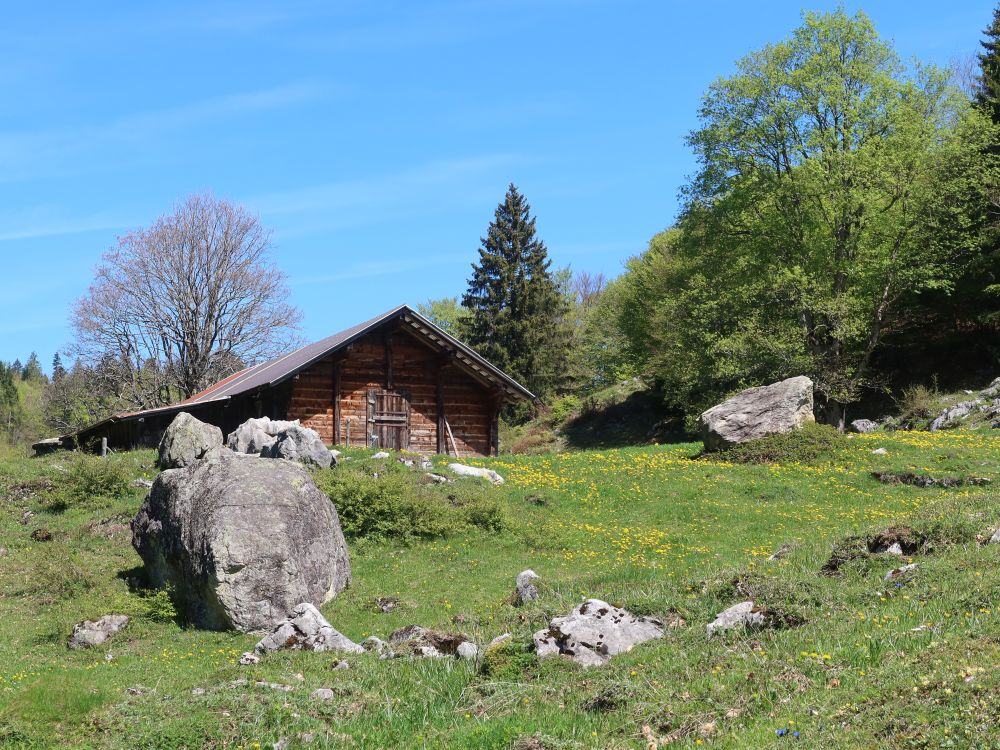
pixel 406 365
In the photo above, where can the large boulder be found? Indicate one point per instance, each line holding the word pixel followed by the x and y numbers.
pixel 594 632
pixel 186 440
pixel 243 541
pixel 298 443
pixel 254 435
pixel 759 412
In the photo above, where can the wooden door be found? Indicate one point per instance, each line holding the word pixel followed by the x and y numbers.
pixel 388 419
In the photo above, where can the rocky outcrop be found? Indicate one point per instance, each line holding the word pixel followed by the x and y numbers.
pixel 186 440
pixel 91 633
pixel 986 405
pixel 243 541
pixel 306 630
pixel 758 412
pixel 594 632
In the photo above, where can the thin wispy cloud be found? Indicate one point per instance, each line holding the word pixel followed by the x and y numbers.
pixel 46 221
pixel 28 154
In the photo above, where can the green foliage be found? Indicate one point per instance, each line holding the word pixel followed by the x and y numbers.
pixel 509 661
pixel 33 369
pixel 831 182
pixel 446 314
pixel 517 316
pixel 917 402
pixel 398 505
pixel 98 480
pixel 811 443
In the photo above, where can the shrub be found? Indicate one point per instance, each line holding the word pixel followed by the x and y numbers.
pixel 93 478
pixel 917 402
pixel 487 513
pixel 390 506
pixel 811 443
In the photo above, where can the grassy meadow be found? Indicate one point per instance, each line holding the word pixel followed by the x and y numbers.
pixel 657 529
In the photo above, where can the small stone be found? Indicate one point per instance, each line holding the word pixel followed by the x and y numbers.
pixel 380 456
pixel 436 478
pixel 386 604
pixel 249 658
pixel 426 464
pixel 281 744
pixel 863 426
pixel 306 630
pixel 744 614
pixel 995 539
pixel 95 632
pixel 475 471
pixel 894 549
pixel 133 691
pixel 525 590
pixel 198 691
pixel 26 516
pixel 109 656
pixel 901 570
pixel 375 644
pixel 340 665
pixel 323 694
pixel 427 652
pixel 467 650
pixel 498 640
pixel 879 452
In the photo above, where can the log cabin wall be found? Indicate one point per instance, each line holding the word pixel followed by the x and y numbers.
pixel 405 365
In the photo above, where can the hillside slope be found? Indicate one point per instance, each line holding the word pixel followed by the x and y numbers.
pixel 859 663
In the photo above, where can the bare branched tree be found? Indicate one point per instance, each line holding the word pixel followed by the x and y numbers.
pixel 181 304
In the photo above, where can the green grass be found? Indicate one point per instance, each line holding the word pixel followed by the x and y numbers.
pixel 656 529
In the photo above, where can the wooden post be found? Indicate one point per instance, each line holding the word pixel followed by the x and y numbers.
pixel 104 447
pixel 336 403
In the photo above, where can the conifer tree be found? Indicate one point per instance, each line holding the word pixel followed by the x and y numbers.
pixel 988 89
pixel 32 369
pixel 516 312
pixel 58 371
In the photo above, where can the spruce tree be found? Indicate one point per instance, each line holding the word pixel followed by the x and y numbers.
pixel 32 369
pixel 988 90
pixel 516 313
pixel 58 371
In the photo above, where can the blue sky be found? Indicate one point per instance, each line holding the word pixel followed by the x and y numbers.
pixel 375 139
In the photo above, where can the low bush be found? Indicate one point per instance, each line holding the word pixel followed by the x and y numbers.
pixel 807 445
pixel 93 478
pixel 396 505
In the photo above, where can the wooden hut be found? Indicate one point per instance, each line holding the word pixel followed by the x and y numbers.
pixel 396 382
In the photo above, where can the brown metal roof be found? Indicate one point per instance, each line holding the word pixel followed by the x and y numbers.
pixel 278 370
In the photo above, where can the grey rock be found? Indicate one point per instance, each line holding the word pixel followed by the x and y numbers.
pixel 995 539
pixel 248 658
pixel 525 589
pixel 341 665
pixel 498 640
pixel 198 691
pixel 781 552
pixel 427 652
pixel 243 541
pixel 26 516
pixel 437 478
pixel 467 650
pixel 301 444
pixel 274 686
pixel 758 412
pixel 880 452
pixel 475 471
pixel 863 426
pixel 323 694
pixel 894 549
pixel 992 390
pixel 95 632
pixel 143 483
pixel 594 632
pixel 426 464
pixel 742 615
pixel 901 570
pixel 953 414
pixel 375 644
pixel 306 630
pixel 380 455
pixel 186 440
pixel 255 435
pixel 407 633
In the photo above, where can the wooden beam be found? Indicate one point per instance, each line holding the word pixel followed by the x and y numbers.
pixel 442 446
pixel 388 362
